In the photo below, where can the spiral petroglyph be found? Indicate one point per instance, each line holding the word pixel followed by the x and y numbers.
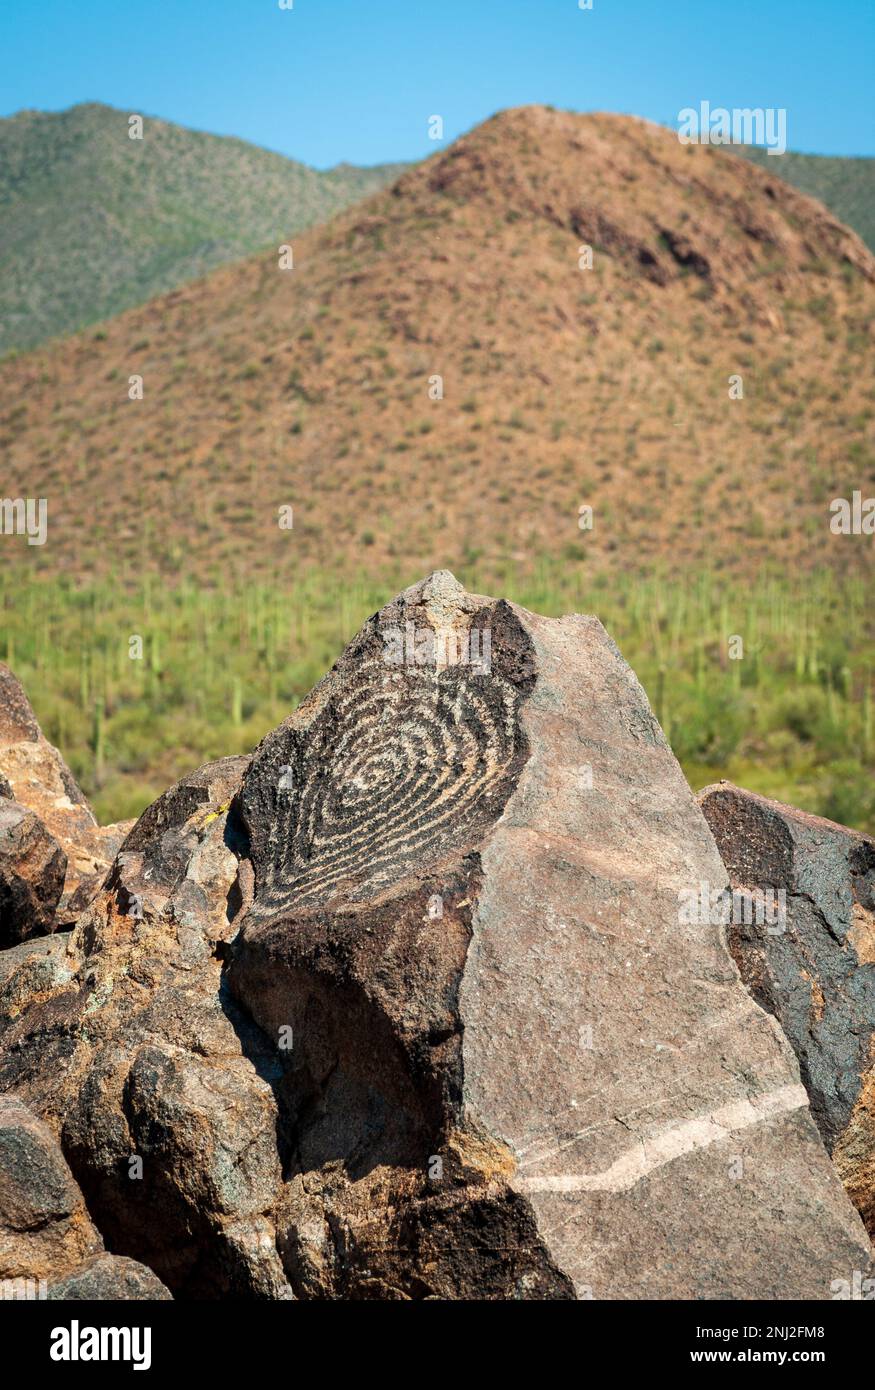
pixel 396 768
pixel 392 777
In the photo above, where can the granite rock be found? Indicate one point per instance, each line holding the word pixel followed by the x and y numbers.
pixel 33 772
pixel 811 960
pixel 508 1054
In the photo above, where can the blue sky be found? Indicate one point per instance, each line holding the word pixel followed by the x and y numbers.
pixel 357 79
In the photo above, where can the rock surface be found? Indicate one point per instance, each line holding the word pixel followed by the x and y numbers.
pixel 46 1235
pixel 815 969
pixel 509 1058
pixel 45 1227
pixel 33 772
pixel 109 1277
pixel 158 1086
pixel 404 1006
pixel 32 869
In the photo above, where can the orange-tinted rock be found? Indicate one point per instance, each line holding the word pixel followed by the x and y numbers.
pixel 36 775
pixel 47 1239
pixel 32 869
pixel 125 1041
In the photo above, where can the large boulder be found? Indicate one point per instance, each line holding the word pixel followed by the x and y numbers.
pixel 157 1084
pixel 45 1228
pixel 405 1006
pixel 47 1239
pixel 33 772
pixel 512 1065
pixel 810 960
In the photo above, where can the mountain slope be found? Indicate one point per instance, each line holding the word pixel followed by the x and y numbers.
pixel 562 387
pixel 92 222
pixel 846 186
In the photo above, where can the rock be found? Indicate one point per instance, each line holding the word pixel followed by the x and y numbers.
pixel 405 1007
pixel 47 951
pixel 510 1068
pixel 49 1246
pixel 813 966
pixel 44 1227
pixel 110 1277
pixel 33 772
pixel 157 1083
pixel 32 973
pixel 17 719
pixel 168 863
pixel 32 869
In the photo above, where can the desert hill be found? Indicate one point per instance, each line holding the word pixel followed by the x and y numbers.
pixel 92 222
pixel 562 386
pixel 845 184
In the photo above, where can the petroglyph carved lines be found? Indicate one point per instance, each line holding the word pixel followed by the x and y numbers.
pixel 391 775
pixel 655 1152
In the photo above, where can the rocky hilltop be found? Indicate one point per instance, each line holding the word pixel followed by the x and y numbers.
pixel 413 1002
pixel 579 289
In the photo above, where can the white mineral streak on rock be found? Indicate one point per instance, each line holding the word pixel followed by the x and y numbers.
pixel 652 1153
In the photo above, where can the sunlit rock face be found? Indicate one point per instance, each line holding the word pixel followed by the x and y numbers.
pixel 467 877
pixel 410 1004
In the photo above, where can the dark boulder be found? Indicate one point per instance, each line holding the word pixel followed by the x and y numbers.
pixel 814 968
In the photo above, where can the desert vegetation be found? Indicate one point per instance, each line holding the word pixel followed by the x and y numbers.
pixel 790 716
